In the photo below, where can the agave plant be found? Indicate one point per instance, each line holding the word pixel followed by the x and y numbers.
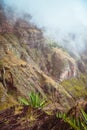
pixel 76 124
pixel 84 120
pixel 34 100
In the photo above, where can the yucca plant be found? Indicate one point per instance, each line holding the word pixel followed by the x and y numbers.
pixel 69 120
pixel 76 124
pixel 34 100
pixel 84 120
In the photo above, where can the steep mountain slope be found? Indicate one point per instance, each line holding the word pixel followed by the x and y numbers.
pixel 28 63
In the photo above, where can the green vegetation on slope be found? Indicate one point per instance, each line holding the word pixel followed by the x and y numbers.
pixel 76 86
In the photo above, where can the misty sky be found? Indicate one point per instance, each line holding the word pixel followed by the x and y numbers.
pixel 59 17
pixel 65 14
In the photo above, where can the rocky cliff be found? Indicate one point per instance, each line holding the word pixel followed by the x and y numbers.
pixel 28 63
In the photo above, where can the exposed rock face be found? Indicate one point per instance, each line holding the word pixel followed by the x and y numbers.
pixel 64 66
pixel 52 61
pixel 32 65
pixel 83 61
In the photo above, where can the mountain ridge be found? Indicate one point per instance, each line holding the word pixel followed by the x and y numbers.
pixel 30 64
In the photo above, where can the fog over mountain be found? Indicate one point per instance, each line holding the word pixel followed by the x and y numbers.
pixel 43 64
pixel 65 21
